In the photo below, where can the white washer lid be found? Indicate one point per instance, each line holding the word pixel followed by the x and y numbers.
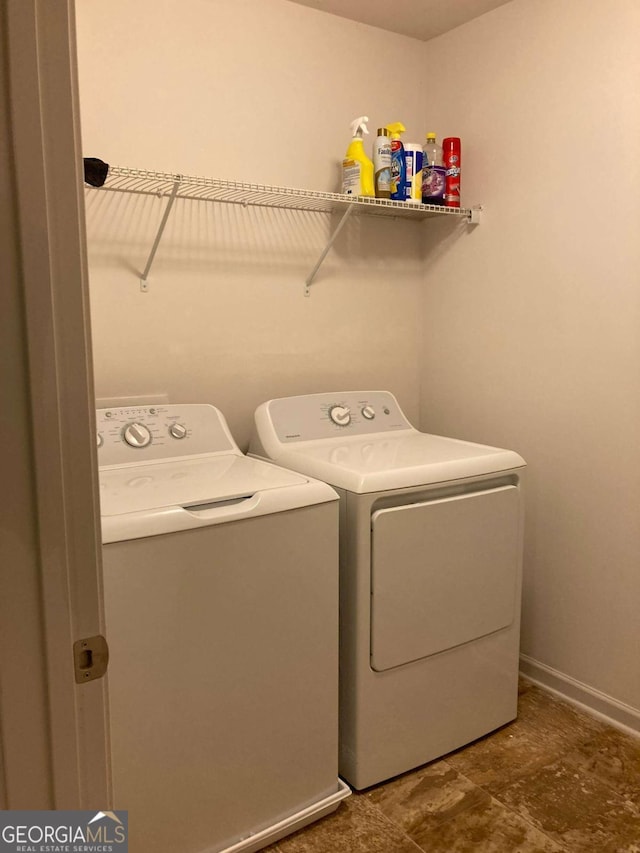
pixel 181 495
pixel 188 482
pixel 394 460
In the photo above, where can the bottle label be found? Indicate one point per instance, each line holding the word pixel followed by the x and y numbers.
pixel 383 181
pixel 452 187
pixel 452 179
pixel 413 162
pixel 382 154
pixel 382 165
pixel 351 177
pixel 398 171
pixel 433 181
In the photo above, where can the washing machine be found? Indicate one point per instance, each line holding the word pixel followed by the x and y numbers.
pixel 221 598
pixel 430 575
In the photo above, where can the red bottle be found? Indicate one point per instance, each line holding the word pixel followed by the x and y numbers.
pixel 451 157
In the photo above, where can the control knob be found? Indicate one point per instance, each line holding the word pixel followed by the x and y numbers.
pixel 136 435
pixel 177 430
pixel 340 415
pixel 368 412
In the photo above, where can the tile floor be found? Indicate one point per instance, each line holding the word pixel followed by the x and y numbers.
pixel 553 780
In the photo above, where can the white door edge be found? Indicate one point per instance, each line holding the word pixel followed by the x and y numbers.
pixel 53 730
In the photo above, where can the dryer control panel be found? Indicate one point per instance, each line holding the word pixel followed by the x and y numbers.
pixel 317 416
pixel 135 434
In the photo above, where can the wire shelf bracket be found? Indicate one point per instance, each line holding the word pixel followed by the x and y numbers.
pixel 338 229
pixel 144 278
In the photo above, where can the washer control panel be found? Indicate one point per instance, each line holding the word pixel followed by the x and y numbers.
pixel 316 416
pixel 134 434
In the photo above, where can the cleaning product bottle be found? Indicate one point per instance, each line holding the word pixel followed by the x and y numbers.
pixel 452 157
pixel 382 163
pixel 398 164
pixel 413 160
pixel 433 172
pixel 357 168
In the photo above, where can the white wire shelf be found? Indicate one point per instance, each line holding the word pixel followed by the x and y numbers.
pixel 173 186
pixel 259 195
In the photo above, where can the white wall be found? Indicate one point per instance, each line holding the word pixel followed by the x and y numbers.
pixel 261 91
pixel 532 327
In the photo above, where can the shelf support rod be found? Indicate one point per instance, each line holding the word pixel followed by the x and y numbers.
pixel 144 283
pixel 312 274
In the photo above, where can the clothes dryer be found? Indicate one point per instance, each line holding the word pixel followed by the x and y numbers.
pixel 221 587
pixel 430 575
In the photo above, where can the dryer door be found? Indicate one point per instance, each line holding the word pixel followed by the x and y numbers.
pixel 444 572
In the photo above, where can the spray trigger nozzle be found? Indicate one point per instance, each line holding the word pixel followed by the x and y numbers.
pixel 359 127
pixel 396 129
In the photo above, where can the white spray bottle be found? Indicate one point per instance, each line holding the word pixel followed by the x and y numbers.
pixel 382 163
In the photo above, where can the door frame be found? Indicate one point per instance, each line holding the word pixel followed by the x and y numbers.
pixel 53 732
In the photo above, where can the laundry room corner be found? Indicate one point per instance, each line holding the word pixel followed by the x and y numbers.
pixel 531 325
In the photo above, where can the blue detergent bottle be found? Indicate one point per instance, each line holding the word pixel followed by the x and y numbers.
pixel 398 163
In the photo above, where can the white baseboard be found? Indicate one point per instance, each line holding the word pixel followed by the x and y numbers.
pixel 599 705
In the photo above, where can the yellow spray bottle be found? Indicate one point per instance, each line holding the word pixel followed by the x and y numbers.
pixel 357 168
pixel 398 163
